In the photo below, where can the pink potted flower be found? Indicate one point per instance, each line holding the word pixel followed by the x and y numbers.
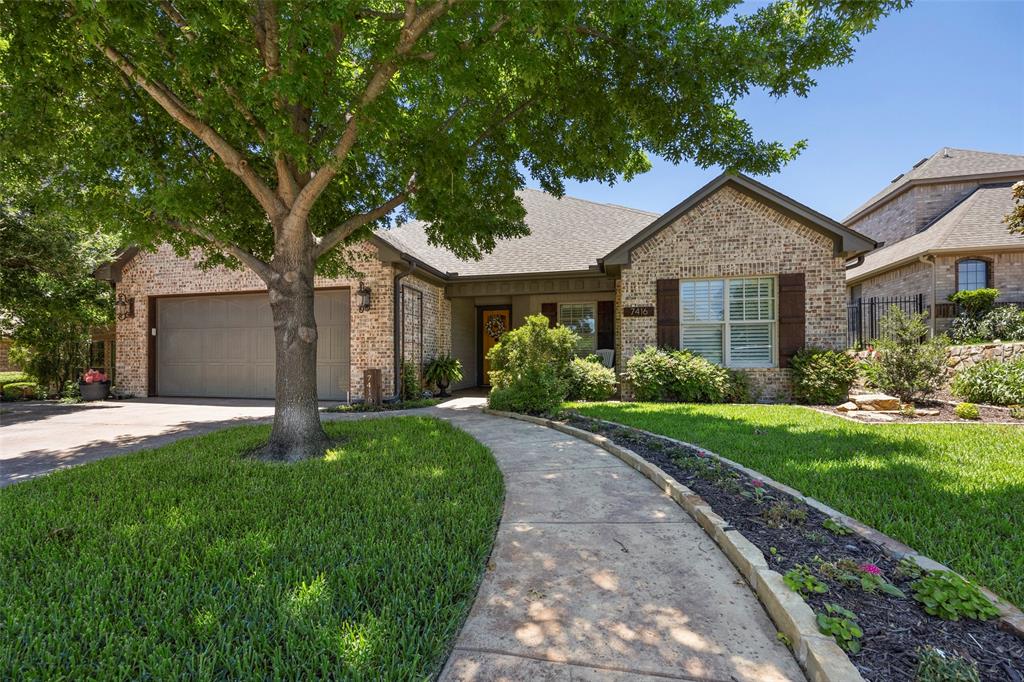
pixel 94 385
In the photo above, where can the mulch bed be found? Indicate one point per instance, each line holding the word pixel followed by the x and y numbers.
pixel 894 628
pixel 989 414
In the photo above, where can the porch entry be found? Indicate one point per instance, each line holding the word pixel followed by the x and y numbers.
pixel 492 323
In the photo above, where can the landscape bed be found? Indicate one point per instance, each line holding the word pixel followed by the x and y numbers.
pixel 192 561
pixel 894 628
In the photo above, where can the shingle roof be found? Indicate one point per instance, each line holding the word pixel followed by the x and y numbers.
pixel 947 163
pixel 565 234
pixel 974 223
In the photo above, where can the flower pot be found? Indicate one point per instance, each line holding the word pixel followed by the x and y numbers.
pixel 443 386
pixel 99 390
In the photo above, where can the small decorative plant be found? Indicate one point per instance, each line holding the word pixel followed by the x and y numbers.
pixel 842 625
pixel 757 491
pixel 935 665
pixel 871 579
pixel 412 389
pixel 1017 411
pixel 93 376
pixel 443 371
pixel 94 385
pixel 781 514
pixel 908 568
pixel 801 580
pixel 967 411
pixel 822 376
pixel 906 362
pixel 949 597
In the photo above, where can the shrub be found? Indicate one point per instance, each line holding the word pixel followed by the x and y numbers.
pixel 949 596
pixel 906 363
pixel 1017 411
pixel 412 389
pixel 993 382
pixel 22 390
pixel 976 302
pixel 530 367
pixel 589 379
pixel 822 376
pixel 967 411
pixel 682 376
pixel 964 330
pixel 934 665
pixel 1005 323
pixel 443 371
pixel 13 378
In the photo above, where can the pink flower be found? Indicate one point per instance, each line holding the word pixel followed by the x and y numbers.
pixel 93 377
pixel 757 483
pixel 871 568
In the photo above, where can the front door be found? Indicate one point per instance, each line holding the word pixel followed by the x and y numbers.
pixel 494 322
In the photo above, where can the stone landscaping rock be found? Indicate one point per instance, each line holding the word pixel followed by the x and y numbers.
pixel 927 413
pixel 875 401
pixel 848 407
pixel 878 417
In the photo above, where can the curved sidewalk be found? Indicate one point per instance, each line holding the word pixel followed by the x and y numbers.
pixel 597 575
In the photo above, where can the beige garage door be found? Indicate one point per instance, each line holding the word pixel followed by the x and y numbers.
pixel 223 346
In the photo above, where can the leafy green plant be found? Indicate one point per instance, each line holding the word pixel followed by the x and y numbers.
pixel 841 625
pixel 949 597
pixel 906 363
pixel 800 579
pixel 1004 323
pixel 992 382
pixel 822 376
pixel 967 411
pixel 412 389
pixel 1017 411
pixel 530 367
pixel 975 303
pixel 590 380
pixel 22 390
pixel 870 578
pixel 908 568
pixel 835 527
pixel 908 410
pixel 934 665
pixel 682 376
pixel 443 371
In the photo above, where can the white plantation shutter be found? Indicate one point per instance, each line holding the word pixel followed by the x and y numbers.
pixel 729 321
pixel 750 345
pixel 704 340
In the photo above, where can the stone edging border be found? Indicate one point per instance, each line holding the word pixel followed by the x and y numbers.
pixel 819 656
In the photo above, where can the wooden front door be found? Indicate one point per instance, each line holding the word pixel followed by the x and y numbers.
pixel 493 323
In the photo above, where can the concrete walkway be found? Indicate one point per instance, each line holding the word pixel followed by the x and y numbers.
pixel 597 575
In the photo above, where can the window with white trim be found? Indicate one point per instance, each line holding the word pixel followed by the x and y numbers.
pixel 582 319
pixel 731 322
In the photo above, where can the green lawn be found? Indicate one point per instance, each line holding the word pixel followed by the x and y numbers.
pixel 190 562
pixel 952 491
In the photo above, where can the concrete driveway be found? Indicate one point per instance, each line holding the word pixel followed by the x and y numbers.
pixel 36 437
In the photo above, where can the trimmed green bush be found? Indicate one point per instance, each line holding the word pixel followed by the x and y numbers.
pixel 976 302
pixel 21 390
pixel 906 363
pixel 590 380
pixel 530 367
pixel 993 382
pixel 1005 323
pixel 967 411
pixel 681 376
pixel 822 376
pixel 13 378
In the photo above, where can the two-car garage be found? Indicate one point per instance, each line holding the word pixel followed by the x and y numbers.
pixel 223 345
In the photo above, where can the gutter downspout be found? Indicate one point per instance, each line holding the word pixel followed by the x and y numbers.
pixel 929 259
pixel 397 340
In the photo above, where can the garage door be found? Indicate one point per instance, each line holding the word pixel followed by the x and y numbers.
pixel 223 346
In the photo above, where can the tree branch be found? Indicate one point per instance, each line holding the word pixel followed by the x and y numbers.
pixel 232 159
pixel 335 236
pixel 413 27
pixel 263 270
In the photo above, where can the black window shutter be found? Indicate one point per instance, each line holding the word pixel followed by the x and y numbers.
pixel 792 315
pixel 668 313
pixel 550 311
pixel 606 324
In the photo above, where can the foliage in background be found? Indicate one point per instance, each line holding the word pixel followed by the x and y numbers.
pixel 993 382
pixel 443 371
pixel 979 319
pixel 930 486
pixel 975 302
pixel 681 376
pixel 949 596
pixel 1005 323
pixel 590 380
pixel 822 376
pixel 49 300
pixel 906 362
pixel 530 367
pixel 1015 219
pixel 360 565
pixel 412 388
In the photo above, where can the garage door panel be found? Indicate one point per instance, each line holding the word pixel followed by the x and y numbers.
pixel 223 346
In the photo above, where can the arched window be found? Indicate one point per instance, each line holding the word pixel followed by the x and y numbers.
pixel 972 273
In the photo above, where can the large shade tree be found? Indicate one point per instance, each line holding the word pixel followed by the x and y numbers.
pixel 268 133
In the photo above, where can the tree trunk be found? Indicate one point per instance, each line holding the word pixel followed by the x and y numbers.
pixel 297 432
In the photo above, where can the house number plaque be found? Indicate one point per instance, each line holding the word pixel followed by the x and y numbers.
pixel 638 311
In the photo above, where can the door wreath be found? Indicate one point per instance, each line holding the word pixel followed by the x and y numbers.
pixel 495 326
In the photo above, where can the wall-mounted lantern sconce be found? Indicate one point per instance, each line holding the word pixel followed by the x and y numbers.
pixel 124 307
pixel 363 297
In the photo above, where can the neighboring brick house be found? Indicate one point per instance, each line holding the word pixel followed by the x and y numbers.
pixel 737 272
pixel 942 231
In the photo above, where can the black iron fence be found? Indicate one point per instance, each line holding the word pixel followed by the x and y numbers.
pixel 864 314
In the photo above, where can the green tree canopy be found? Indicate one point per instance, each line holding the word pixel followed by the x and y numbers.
pixel 268 133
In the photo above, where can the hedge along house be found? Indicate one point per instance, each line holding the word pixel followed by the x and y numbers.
pixel 736 272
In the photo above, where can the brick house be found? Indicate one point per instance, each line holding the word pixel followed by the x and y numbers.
pixel 737 272
pixel 941 231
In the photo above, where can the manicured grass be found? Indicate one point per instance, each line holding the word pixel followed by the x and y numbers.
pixel 190 562
pixel 952 491
pixel 386 407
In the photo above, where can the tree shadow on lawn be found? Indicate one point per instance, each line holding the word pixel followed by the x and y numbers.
pixel 933 491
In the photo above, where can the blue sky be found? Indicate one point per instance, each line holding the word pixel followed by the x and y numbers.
pixel 939 74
